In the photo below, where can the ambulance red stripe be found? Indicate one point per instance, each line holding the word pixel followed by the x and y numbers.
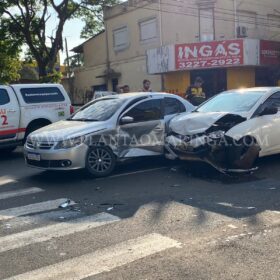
pixel 12 131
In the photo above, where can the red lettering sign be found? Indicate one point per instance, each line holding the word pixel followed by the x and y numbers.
pixel 270 53
pixel 209 54
pixel 4 120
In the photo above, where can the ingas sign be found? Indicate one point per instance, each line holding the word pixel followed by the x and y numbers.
pixel 209 54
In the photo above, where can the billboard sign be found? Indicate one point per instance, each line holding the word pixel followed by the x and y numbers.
pixel 214 54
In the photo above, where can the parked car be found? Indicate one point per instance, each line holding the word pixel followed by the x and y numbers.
pixel 99 94
pixel 104 131
pixel 229 131
pixel 25 108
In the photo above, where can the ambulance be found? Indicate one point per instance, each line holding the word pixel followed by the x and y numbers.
pixel 25 108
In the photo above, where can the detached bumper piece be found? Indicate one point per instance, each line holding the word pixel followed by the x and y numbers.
pixel 225 155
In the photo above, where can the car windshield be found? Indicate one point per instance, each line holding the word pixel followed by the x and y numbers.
pixel 99 110
pixel 231 102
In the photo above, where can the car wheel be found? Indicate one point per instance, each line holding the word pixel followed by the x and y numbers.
pixel 100 161
pixel 7 151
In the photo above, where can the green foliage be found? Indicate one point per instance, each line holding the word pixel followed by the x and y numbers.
pixel 26 22
pixel 54 77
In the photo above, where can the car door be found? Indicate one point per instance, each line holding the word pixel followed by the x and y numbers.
pixel 270 126
pixel 9 115
pixel 144 135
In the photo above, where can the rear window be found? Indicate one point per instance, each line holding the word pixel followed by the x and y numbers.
pixel 4 97
pixel 41 95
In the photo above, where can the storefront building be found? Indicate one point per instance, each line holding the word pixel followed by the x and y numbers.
pixel 223 65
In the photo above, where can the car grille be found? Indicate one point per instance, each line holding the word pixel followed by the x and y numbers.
pixel 48 163
pixel 39 145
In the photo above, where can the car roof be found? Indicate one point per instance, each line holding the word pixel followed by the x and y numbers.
pixel 133 95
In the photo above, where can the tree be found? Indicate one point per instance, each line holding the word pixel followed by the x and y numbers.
pixel 9 57
pixel 27 20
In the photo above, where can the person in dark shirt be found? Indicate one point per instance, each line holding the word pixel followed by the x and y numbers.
pixel 194 93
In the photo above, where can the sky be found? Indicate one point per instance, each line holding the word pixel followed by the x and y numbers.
pixel 72 31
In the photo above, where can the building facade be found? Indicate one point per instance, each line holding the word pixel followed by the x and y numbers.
pixel 229 43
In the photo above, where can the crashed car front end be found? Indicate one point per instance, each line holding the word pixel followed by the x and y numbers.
pixel 214 145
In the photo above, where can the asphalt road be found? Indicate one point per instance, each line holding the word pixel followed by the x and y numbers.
pixel 152 219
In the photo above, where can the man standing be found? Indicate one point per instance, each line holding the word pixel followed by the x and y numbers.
pixel 195 93
pixel 146 86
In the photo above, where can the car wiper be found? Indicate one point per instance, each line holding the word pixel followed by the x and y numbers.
pixel 83 120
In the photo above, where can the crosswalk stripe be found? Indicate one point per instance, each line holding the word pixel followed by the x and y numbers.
pixel 103 260
pixel 32 208
pixel 46 233
pixel 16 193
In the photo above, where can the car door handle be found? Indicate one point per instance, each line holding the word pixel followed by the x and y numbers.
pixel 158 129
pixel 11 111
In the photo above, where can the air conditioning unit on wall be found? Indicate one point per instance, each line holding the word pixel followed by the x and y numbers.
pixel 242 31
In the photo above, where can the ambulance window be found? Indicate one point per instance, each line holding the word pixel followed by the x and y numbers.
pixel 42 94
pixel 4 97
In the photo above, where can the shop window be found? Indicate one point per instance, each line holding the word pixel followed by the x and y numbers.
pixel 206 22
pixel 120 38
pixel 247 19
pixel 274 25
pixel 148 30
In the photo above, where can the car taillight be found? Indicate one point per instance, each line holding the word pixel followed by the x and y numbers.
pixel 72 110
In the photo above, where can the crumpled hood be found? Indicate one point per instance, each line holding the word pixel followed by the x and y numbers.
pixel 66 129
pixel 194 123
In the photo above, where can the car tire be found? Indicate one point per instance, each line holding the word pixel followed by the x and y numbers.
pixel 7 151
pixel 100 161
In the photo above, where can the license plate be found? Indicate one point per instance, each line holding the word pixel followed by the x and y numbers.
pixel 33 156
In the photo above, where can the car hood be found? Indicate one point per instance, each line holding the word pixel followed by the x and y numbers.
pixel 67 129
pixel 196 122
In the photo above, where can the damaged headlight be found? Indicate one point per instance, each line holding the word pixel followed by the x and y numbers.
pixel 70 143
pixel 216 134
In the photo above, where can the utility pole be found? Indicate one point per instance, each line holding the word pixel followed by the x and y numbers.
pixel 67 59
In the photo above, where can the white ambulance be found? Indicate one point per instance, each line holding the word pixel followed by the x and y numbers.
pixel 25 108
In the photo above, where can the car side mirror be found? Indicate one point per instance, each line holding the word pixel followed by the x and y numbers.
pixel 269 111
pixel 127 120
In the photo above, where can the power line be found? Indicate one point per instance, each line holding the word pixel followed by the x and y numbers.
pixel 197 16
pixel 258 16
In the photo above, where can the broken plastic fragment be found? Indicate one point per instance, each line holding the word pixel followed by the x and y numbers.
pixel 232 226
pixel 65 204
pixel 175 186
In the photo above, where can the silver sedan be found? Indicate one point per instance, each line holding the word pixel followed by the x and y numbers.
pixel 105 131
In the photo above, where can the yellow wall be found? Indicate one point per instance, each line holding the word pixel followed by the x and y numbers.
pixel 240 77
pixel 177 82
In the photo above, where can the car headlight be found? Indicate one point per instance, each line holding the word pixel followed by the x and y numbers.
pixel 216 134
pixel 70 143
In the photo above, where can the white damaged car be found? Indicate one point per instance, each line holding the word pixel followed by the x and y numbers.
pixel 229 131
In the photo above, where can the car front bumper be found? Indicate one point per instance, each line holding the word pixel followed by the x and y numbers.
pixel 52 159
pixel 224 156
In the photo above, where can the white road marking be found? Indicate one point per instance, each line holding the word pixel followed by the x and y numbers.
pixel 4 180
pixel 22 192
pixel 32 208
pixel 103 260
pixel 132 173
pixel 46 233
